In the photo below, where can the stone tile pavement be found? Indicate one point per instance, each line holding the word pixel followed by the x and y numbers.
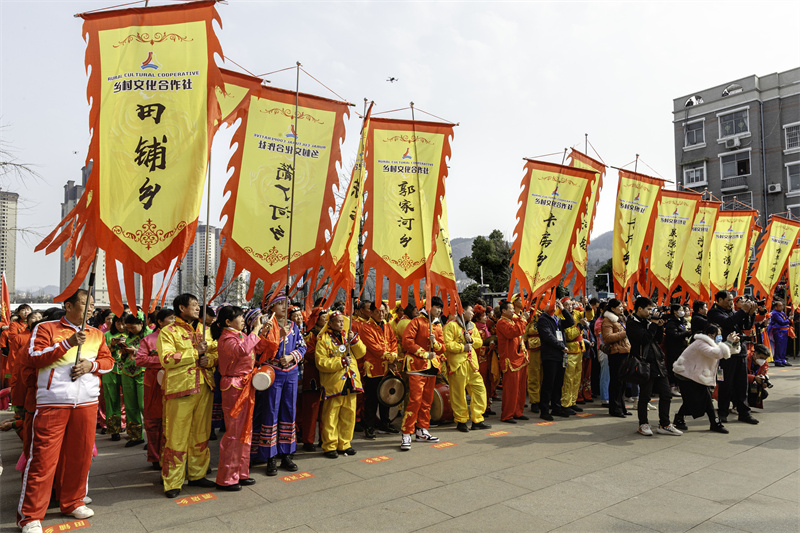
pixel 590 474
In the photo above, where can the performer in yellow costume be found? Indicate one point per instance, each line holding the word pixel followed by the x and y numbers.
pixel 532 342
pixel 572 373
pixel 340 380
pixel 188 360
pixel 463 375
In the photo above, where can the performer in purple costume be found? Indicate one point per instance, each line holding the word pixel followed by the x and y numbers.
pixel 274 432
pixel 778 331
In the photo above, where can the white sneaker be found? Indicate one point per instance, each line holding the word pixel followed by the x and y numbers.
pixel 669 430
pixel 650 406
pixel 82 512
pixel 405 444
pixel 87 500
pixel 645 430
pixel 422 434
pixel 33 526
pixel 635 404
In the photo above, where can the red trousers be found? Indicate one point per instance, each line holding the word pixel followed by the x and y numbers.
pixel 60 435
pixel 310 408
pixel 154 428
pixel 420 397
pixel 515 390
pixel 585 392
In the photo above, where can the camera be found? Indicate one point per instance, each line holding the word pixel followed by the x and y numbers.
pixel 767 384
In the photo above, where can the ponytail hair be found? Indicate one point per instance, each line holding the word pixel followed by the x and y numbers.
pixel 229 312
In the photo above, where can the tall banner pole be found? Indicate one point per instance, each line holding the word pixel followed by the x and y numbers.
pixel 205 259
pixel 89 290
pixel 422 222
pixel 294 176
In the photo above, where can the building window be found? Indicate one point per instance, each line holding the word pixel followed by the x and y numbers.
pixel 794 211
pixel 694 134
pixel 734 165
pixel 694 175
pixel 792 134
pixel 793 177
pixel 735 123
pixel 737 202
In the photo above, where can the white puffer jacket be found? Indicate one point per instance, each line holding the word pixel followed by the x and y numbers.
pixel 698 361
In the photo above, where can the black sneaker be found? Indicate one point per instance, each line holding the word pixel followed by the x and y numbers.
pixel 272 466
pixel 462 426
pixel 229 488
pixel 247 482
pixel 287 464
pixel 308 447
pixel 387 428
pixel 748 419
pixel 172 493
pixel 481 425
pixel 719 428
pixel 534 408
pixel 680 423
pixel 576 408
pixel 369 434
pixel 333 454
pixel 489 412
pixel 546 416
pixel 521 417
pixel 349 451
pixel 787 363
pixel 132 443
pixel 115 437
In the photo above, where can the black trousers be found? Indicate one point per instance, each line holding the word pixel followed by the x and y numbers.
pixel 615 385
pixel 696 400
pixel 371 403
pixel 660 385
pixel 733 387
pixel 552 382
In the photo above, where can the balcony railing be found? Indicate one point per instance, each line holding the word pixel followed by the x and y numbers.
pixel 734 183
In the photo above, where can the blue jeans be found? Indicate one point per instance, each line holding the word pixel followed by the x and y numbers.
pixel 605 379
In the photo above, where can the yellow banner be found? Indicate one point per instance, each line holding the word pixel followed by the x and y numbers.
pixel 672 228
pixel 729 247
pixel 633 225
pixel 778 241
pixel 406 167
pixel 283 179
pixel 442 273
pixel 236 88
pixel 580 249
pixel 552 201
pixel 152 86
pixel 793 273
pixel 694 271
pixel 340 261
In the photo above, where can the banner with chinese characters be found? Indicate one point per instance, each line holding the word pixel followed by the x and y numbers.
pixel 671 230
pixel 694 271
pixel 552 202
pixel 284 173
pixel 406 169
pixel 633 228
pixel 442 273
pixel 793 275
pixel 728 253
pixel 339 261
pixel 580 257
pixel 152 90
pixel 777 242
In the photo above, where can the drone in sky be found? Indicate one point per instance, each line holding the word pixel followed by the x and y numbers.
pixel 392 79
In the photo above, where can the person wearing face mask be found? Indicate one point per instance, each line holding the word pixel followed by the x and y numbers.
pixel 757 368
pixel 617 347
pixel 676 339
pixel 696 371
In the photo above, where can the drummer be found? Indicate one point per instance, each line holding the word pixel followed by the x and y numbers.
pixel 463 374
pixel 236 362
pixel 381 344
pixel 423 344
pixel 336 353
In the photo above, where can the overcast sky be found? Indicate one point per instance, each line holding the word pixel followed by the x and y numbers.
pixel 523 79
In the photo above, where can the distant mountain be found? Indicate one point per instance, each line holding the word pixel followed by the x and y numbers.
pixel 600 247
pixel 462 247
pixel 36 290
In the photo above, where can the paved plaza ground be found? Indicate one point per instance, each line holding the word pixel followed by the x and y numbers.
pixel 589 474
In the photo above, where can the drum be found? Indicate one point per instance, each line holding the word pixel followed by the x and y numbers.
pixel 160 377
pixel 391 390
pixel 441 411
pixel 263 379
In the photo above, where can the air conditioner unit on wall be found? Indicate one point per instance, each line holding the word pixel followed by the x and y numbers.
pixel 774 188
pixel 733 143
